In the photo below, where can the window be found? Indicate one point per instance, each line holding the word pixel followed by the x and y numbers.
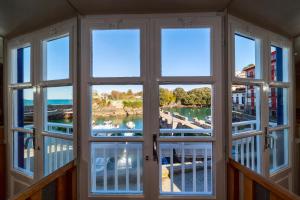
pixel 116 53
pixel 261 126
pixel 57 58
pixel 247 63
pixel 40 99
pixel 186 52
pixel 150 97
pixel 117 110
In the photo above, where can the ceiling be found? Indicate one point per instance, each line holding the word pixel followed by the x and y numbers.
pixel 19 16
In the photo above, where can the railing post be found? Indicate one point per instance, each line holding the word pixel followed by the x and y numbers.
pixel 233 183
pixel 248 188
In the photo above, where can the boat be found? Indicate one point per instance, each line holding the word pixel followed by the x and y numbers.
pixel 130 125
pixel 106 125
pixel 208 119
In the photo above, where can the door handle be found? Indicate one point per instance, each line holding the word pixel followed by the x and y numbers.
pixel 155 155
pixel 267 138
pixel 33 138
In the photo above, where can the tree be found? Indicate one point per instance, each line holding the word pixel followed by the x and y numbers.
pixel 166 97
pixel 180 94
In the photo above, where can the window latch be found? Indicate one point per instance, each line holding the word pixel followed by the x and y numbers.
pixel 155 155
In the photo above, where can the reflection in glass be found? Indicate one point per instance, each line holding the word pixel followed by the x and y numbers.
pixel 59 104
pixel 245 108
pixel 278 106
pixel 247 152
pixel 279 64
pixel 117 167
pixel 21 73
pixel 279 150
pixel 116 53
pixel 185 51
pixel 57 59
pixel 23 108
pixel 185 168
pixel 57 152
pixel 117 110
pixel 245 65
pixel 185 110
pixel 23 153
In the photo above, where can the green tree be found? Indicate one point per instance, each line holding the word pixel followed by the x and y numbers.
pixel 180 94
pixel 166 97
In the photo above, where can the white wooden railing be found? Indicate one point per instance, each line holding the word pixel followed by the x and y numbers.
pixel 57 153
pixel 187 162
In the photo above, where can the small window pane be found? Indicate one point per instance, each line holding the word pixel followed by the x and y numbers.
pixel 185 110
pixel 185 168
pixel 247 151
pixel 59 105
pixel 57 152
pixel 116 53
pixel 117 168
pixel 21 70
pixel 245 65
pixel 278 106
pixel 245 108
pixel 279 150
pixel 117 110
pixel 185 52
pixel 279 64
pixel 57 59
pixel 23 108
pixel 23 153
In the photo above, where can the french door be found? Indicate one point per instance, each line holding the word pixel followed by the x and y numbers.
pixel 261 101
pixel 150 89
pixel 40 104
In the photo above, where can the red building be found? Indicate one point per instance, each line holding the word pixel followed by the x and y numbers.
pixel 249 72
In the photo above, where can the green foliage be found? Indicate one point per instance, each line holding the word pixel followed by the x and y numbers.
pixel 133 104
pixel 197 96
pixel 166 97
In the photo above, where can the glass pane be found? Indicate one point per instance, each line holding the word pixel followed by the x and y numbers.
pixel 57 59
pixel 245 66
pixel 279 151
pixel 57 152
pixel 59 104
pixel 185 110
pixel 185 52
pixel 116 53
pixel 247 151
pixel 22 64
pixel 245 108
pixel 117 167
pixel 279 64
pixel 185 168
pixel 278 106
pixel 23 153
pixel 23 108
pixel 117 110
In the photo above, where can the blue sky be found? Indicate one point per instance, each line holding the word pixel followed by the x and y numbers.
pixel 185 52
pixel 26 62
pixel 58 58
pixel 244 52
pixel 116 53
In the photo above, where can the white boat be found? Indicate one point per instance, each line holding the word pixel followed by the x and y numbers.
pixel 130 125
pixel 106 125
pixel 208 119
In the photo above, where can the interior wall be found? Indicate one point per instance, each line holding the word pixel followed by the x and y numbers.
pixel 2 142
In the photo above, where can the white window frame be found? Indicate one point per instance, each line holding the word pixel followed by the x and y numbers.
pixel 150 24
pixel 267 39
pixel 36 84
